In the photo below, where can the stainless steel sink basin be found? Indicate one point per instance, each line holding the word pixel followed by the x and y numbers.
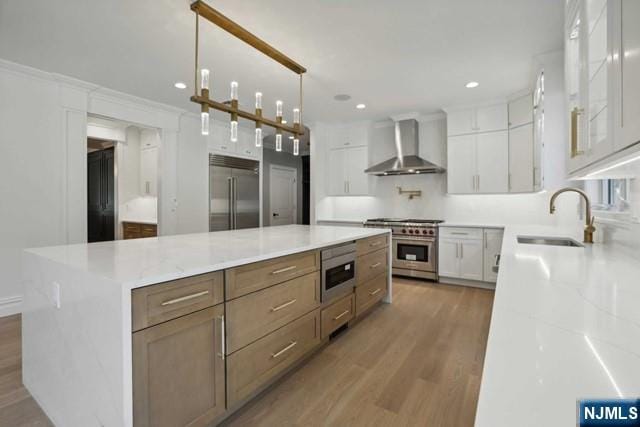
pixel 551 241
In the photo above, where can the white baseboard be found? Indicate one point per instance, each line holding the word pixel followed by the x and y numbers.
pixel 10 305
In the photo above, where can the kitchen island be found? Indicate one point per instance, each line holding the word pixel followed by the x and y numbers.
pixel 107 327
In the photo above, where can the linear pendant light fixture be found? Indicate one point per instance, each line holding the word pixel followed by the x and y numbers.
pixel 210 14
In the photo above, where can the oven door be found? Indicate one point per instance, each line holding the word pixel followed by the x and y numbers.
pixel 338 276
pixel 414 254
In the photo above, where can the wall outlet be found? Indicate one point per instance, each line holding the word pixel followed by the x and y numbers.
pixel 56 294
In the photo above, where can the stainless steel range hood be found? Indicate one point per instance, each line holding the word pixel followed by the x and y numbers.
pixel 407 161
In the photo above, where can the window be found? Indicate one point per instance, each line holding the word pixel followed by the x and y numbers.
pixel 612 195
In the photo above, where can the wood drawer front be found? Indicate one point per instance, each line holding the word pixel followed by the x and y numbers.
pixel 370 244
pixel 255 365
pixel 149 230
pixel 371 265
pixel 370 293
pixel 158 303
pixel 256 315
pixel 337 315
pixel 253 277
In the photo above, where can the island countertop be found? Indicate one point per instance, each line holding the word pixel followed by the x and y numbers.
pixel 565 326
pixel 141 262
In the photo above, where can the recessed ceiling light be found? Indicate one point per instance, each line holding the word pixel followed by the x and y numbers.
pixel 471 85
pixel 342 97
pixel 284 122
pixel 180 85
pixel 361 106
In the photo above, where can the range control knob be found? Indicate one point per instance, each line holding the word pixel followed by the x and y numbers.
pixel 432 232
pixel 410 231
pixel 424 231
pixel 404 231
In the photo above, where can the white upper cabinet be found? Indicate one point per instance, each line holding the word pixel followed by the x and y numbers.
pixel 478 163
pixel 492 118
pixel 220 139
pixel 461 122
pixel 479 119
pixel 520 111
pixel 352 135
pixel 247 144
pixel 347 158
pixel 492 153
pixel 602 74
pixel 461 164
pixel 628 70
pixel 347 177
pixel 149 171
pixel 521 162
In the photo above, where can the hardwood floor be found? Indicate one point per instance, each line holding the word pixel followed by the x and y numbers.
pixel 416 362
pixel 17 407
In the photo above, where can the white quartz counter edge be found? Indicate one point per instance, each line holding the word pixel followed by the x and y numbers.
pixel 142 262
pixel 564 326
pixel 469 225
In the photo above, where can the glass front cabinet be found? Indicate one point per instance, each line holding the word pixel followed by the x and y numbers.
pixel 602 78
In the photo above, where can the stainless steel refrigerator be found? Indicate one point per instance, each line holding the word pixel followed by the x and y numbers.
pixel 234 193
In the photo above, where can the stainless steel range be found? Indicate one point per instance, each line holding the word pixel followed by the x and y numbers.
pixel 415 245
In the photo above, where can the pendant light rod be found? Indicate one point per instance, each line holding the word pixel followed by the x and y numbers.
pixel 216 18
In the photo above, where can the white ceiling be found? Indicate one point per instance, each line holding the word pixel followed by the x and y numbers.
pixel 394 56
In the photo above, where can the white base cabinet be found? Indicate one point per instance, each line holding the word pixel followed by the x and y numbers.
pixel 468 253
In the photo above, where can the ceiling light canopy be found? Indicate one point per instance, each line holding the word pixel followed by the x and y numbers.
pixel 471 85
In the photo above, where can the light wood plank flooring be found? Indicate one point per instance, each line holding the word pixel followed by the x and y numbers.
pixel 416 362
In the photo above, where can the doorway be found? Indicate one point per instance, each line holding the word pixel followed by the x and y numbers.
pixel 283 195
pixel 122 180
pixel 101 204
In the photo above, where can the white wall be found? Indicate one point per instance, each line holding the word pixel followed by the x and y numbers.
pixel 43 164
pixel 435 203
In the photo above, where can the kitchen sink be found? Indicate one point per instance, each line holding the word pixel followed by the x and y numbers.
pixel 550 241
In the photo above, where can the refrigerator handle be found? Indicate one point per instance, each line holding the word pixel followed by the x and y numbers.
pixel 230 201
pixel 235 202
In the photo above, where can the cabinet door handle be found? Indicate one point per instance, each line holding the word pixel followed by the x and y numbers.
pixel 478 183
pixel 461 251
pixel 375 292
pixel 574 131
pixel 223 349
pixel 281 306
pixel 457 245
pixel 344 313
pixel 376 265
pixel 184 298
pixel 459 233
pixel 284 270
pixel 284 350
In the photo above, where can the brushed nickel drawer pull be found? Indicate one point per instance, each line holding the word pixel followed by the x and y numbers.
pixel 375 292
pixel 281 306
pixel 284 350
pixel 284 270
pixel 184 298
pixel 341 315
pixel 458 233
pixel 375 243
pixel 377 264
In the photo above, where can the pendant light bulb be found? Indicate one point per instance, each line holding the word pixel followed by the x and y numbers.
pixel 204 121
pixel 296 146
pixel 258 137
pixel 204 79
pixel 278 142
pixel 278 108
pixel 234 131
pixel 234 91
pixel 296 116
pixel 258 100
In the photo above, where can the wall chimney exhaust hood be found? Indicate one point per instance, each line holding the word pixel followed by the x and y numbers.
pixel 407 161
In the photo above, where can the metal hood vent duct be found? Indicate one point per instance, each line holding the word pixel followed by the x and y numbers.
pixel 406 161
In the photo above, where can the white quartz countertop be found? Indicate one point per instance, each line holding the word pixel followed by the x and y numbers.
pixel 140 262
pixel 565 326
pixel 150 221
pixel 469 225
